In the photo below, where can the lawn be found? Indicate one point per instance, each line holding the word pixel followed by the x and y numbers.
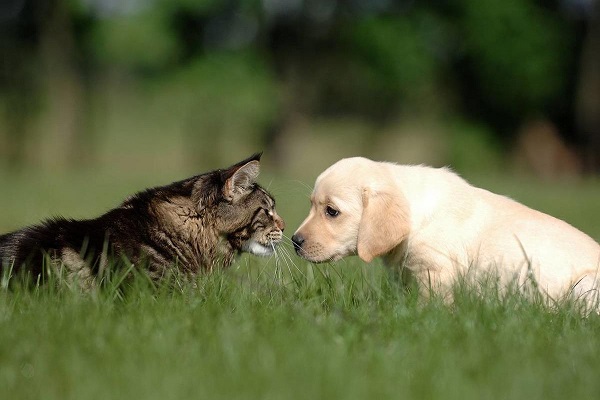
pixel 281 328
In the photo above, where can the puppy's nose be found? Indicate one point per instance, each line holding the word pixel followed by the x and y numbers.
pixel 297 239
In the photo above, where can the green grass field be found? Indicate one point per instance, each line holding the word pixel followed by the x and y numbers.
pixel 282 328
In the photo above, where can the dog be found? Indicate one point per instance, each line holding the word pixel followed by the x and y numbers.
pixel 435 227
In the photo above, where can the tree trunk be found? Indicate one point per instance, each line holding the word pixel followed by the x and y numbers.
pixel 588 96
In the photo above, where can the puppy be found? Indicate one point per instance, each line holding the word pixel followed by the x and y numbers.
pixel 435 226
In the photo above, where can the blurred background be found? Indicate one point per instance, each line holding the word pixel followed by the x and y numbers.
pixel 106 96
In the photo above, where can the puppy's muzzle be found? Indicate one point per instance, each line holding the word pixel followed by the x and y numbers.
pixel 298 240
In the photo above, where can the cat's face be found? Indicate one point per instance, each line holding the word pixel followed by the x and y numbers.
pixel 244 212
pixel 264 229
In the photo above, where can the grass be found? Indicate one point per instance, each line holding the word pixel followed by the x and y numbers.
pixel 331 332
pixel 270 329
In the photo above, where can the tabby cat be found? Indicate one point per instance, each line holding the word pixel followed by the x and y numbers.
pixel 196 224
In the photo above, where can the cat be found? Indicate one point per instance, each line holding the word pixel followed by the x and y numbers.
pixel 193 225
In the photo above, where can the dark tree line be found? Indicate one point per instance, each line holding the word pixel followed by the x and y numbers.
pixel 501 63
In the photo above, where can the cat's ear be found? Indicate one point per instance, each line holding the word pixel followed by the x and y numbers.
pixel 241 180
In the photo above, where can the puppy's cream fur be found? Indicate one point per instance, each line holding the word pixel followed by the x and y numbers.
pixel 437 226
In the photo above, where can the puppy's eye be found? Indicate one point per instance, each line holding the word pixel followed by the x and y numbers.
pixel 332 212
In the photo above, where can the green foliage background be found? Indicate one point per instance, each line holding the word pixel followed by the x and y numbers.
pixel 222 78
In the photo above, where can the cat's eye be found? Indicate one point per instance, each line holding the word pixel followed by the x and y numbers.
pixel 332 212
pixel 267 211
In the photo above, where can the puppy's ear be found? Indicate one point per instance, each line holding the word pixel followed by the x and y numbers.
pixel 242 178
pixel 384 223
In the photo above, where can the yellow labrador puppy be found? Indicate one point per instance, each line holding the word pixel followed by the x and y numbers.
pixel 436 226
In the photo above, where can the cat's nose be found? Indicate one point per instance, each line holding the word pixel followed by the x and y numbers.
pixel 280 223
pixel 297 239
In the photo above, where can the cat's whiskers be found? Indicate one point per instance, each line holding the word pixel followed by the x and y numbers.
pixel 287 260
pixel 277 263
pixel 278 275
pixel 304 184
pixel 289 256
pixel 282 257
